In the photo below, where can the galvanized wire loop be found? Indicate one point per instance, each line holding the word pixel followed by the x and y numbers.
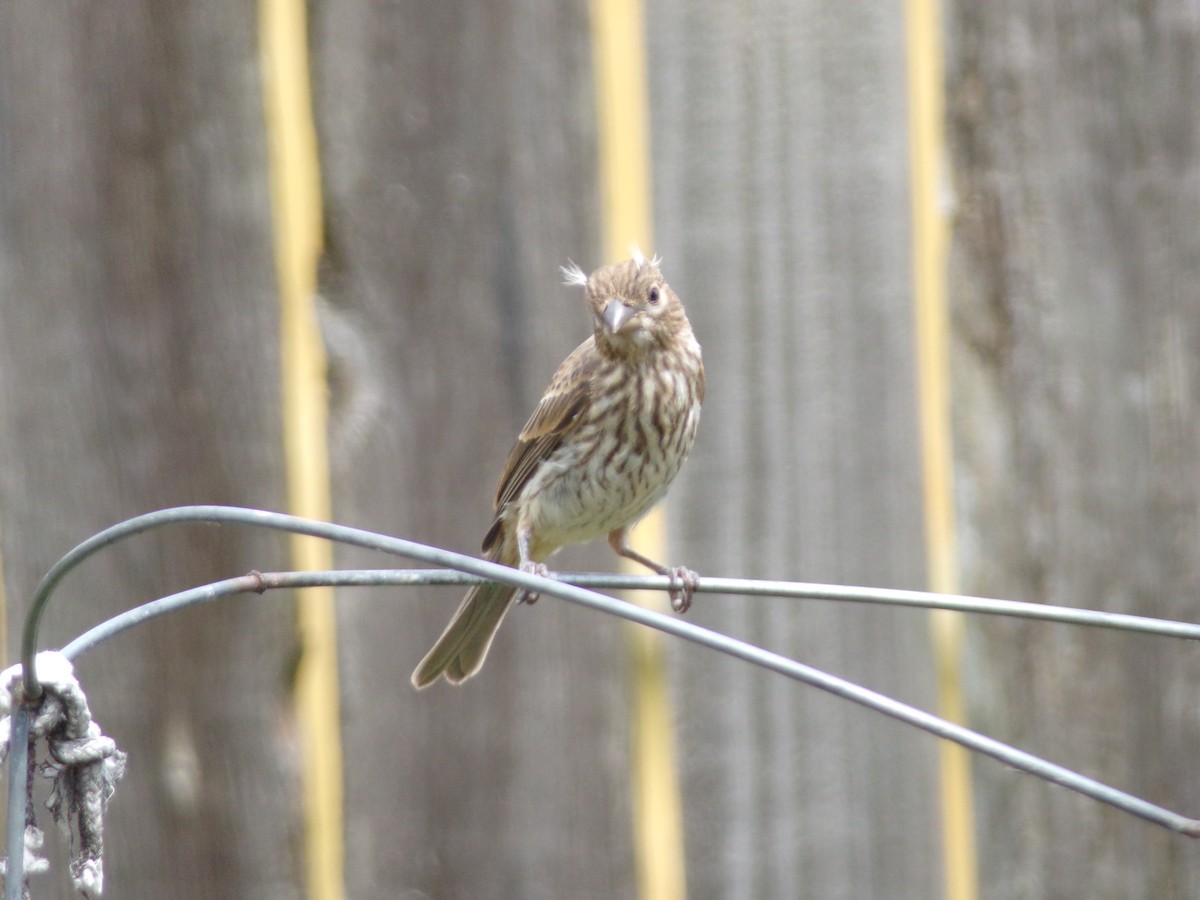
pixel 483 569
pixel 460 569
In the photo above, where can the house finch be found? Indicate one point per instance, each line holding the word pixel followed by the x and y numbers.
pixel 600 450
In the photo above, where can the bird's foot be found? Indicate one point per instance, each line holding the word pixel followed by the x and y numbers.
pixel 533 568
pixel 684 582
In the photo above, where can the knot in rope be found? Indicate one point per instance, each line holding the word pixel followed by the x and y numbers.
pixel 84 764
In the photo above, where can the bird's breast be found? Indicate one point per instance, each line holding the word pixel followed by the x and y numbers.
pixel 618 463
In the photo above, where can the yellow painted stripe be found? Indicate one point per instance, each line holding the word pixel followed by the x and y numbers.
pixel 296 208
pixel 620 70
pixel 620 73
pixel 930 239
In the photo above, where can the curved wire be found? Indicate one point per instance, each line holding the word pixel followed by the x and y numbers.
pixel 480 568
pixel 471 569
pixel 214 515
pixel 257 582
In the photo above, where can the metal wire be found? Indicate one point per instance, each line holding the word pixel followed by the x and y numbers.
pixel 18 763
pixel 257 582
pixel 1011 756
pixel 572 588
pixel 472 566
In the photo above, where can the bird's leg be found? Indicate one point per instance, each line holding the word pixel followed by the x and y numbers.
pixel 684 581
pixel 528 565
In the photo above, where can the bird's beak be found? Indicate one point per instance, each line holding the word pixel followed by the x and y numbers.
pixel 616 314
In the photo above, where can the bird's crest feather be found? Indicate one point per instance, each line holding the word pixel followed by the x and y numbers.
pixel 573 275
pixel 640 258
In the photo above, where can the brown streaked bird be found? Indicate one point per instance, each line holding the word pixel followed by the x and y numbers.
pixel 609 435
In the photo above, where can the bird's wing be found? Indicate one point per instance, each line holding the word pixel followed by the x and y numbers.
pixel 556 416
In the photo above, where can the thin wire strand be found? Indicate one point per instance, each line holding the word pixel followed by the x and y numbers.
pixel 571 588
pixel 18 760
pixel 472 566
pixel 259 582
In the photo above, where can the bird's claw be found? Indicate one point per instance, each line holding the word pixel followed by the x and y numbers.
pixel 681 593
pixel 532 568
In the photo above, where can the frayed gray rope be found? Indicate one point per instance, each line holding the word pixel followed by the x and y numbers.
pixel 84 765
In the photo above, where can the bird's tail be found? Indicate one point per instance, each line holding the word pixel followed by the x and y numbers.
pixel 460 651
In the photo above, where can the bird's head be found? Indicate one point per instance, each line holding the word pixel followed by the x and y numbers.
pixel 633 308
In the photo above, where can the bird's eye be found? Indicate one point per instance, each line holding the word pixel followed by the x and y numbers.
pixel 653 297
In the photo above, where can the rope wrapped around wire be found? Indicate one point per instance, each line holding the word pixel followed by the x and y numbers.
pixel 83 765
